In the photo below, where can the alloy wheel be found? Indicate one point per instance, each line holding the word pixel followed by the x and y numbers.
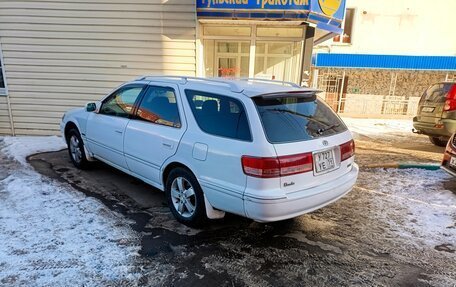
pixel 75 149
pixel 183 197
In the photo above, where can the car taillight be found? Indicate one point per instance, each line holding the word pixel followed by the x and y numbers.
pixel 347 150
pixel 450 103
pixel 269 167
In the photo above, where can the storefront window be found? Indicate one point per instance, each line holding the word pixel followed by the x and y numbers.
pixel 277 61
pixel 277 52
pixel 347 26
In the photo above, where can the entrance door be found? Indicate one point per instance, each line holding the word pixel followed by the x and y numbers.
pixel 232 59
pixel 227 67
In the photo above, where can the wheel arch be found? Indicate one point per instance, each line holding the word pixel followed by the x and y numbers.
pixel 68 126
pixel 169 167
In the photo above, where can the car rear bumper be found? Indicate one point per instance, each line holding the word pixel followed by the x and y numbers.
pixel 447 129
pixel 301 202
pixel 447 155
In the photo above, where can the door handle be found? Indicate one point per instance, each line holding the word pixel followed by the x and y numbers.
pixel 167 144
pixel 119 132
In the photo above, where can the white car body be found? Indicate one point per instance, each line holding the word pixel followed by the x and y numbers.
pixel 147 151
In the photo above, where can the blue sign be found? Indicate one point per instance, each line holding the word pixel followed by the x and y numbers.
pixel 255 4
pixel 327 14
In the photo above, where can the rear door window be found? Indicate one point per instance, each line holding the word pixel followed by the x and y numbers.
pixel 437 93
pixel 159 106
pixel 219 115
pixel 296 118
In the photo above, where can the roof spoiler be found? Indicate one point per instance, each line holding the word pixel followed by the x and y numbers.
pixel 300 94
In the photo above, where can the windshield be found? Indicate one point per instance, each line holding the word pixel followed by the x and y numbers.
pixel 297 118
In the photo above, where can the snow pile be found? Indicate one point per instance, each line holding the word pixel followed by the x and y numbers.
pixel 378 127
pixel 51 234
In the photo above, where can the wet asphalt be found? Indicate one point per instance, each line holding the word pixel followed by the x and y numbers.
pixel 347 243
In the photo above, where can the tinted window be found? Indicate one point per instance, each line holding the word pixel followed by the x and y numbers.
pixel 121 102
pixel 297 118
pixel 159 106
pixel 219 115
pixel 437 93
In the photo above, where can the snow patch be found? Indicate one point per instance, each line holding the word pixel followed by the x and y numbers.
pixel 22 146
pixel 378 127
pixel 431 209
pixel 52 235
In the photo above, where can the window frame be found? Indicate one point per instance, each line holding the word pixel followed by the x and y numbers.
pixel 222 96
pixel 341 42
pixel 135 104
pixel 4 90
pixel 141 98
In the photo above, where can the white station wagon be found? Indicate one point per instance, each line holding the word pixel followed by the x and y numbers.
pixel 261 149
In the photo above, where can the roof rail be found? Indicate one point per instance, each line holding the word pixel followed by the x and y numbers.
pixel 233 86
pixel 294 85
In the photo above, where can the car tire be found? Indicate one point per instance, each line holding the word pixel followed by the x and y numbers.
pixel 437 141
pixel 76 149
pixel 185 197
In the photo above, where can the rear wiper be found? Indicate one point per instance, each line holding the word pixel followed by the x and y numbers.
pixel 304 116
pixel 321 131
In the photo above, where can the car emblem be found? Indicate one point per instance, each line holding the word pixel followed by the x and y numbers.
pixel 325 143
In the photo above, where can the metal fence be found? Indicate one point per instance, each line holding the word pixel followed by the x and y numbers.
pixel 377 106
pixel 368 93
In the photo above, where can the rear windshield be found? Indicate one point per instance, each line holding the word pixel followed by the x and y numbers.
pixel 297 118
pixel 437 93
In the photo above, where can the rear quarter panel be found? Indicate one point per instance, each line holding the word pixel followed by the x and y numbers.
pixel 220 172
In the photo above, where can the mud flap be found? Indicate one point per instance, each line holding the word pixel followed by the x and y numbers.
pixel 211 212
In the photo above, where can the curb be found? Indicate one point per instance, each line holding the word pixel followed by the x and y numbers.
pixel 426 166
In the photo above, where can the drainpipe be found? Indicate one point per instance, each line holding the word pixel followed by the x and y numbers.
pixel 10 114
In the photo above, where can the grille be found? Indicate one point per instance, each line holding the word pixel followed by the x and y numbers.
pixel 453 141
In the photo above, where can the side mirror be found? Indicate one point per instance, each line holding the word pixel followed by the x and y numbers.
pixel 91 107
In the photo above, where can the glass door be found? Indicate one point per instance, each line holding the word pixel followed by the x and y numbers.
pixel 227 58
pixel 227 67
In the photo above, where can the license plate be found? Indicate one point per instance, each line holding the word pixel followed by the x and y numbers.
pixel 324 161
pixel 428 109
pixel 453 161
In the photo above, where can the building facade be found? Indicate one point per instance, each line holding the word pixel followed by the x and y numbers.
pixel 60 54
pixel 389 53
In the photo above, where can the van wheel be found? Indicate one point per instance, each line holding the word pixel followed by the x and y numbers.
pixel 76 149
pixel 437 141
pixel 185 197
